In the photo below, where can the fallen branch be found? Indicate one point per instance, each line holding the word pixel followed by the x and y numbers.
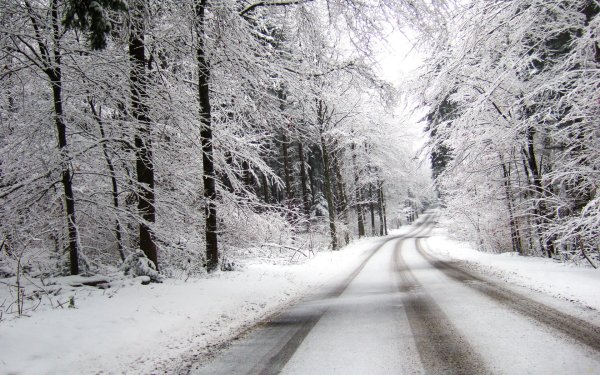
pixel 588 259
pixel 295 249
pixel 251 7
pixel 584 253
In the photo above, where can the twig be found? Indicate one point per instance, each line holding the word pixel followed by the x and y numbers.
pixel 286 247
pixel 588 258
pixel 251 7
pixel 585 255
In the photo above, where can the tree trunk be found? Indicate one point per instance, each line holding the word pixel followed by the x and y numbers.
pixel 327 177
pixel 329 195
pixel 265 188
pixel 534 232
pixel 383 206
pixel 248 177
pixel 340 187
pixel 372 210
pixel 315 162
pixel 381 209
pixel 305 196
pixel 341 193
pixel 223 177
pixel 113 179
pixel 208 167
pixel 514 230
pixel 540 207
pixel 143 139
pixel 66 175
pixel 286 166
pixel 54 73
pixel 357 195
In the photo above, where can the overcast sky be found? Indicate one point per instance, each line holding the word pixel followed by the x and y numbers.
pixel 397 57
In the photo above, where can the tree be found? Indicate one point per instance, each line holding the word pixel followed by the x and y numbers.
pixel 144 164
pixel 510 85
pixel 193 153
pixel 41 49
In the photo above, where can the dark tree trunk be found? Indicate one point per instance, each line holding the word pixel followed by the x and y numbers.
pixel 52 68
pixel 383 206
pixel 360 217
pixel 340 187
pixel 143 139
pixel 358 195
pixel 286 166
pixel 113 179
pixel 329 195
pixel 372 210
pixel 536 179
pixel 247 176
pixel 265 188
pixel 66 175
pixel 514 230
pixel 313 161
pixel 381 209
pixel 208 167
pixel 327 177
pixel 534 232
pixel 341 194
pixel 303 182
pixel 223 177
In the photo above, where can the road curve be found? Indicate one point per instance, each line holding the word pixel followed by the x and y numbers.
pixel 403 311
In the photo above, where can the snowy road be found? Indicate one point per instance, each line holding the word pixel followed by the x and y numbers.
pixel 403 311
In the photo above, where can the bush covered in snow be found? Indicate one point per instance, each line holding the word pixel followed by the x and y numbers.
pixel 137 264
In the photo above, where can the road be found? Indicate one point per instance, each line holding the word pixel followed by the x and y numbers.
pixel 403 311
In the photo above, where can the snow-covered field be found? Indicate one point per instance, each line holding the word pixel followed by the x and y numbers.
pixel 142 329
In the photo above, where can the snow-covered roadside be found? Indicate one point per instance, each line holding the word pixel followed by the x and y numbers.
pixel 565 281
pixel 136 329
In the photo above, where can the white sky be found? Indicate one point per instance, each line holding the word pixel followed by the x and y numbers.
pixel 398 60
pixel 397 56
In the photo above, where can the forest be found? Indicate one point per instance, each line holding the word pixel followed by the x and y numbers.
pixel 167 138
pixel 512 92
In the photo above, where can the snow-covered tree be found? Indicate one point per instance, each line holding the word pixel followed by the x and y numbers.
pixel 506 98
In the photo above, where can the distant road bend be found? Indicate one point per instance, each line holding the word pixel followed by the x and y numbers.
pixel 403 311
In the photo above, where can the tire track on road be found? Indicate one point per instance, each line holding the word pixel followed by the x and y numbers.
pixel 570 326
pixel 274 361
pixel 267 347
pixel 441 348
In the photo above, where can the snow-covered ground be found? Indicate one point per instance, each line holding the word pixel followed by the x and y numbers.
pixel 578 284
pixel 142 329
pixel 137 329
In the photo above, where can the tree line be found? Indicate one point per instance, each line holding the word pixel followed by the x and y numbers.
pixel 512 92
pixel 181 129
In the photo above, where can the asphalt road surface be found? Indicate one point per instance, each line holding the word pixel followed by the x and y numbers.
pixel 403 311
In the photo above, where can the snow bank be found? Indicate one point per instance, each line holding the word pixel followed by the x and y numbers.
pixel 137 329
pixel 565 281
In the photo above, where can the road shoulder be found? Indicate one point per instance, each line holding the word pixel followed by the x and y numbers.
pixel 566 287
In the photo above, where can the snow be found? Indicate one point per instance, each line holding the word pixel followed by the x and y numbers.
pixel 506 341
pixel 382 323
pixel 359 332
pixel 137 329
pixel 140 329
pixel 566 281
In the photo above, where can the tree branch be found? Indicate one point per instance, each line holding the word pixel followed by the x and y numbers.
pixel 251 7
